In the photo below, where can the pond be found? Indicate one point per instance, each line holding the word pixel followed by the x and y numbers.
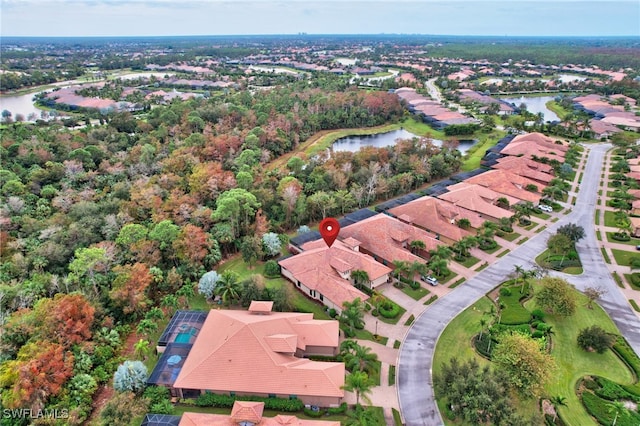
pixel 380 140
pixel 535 105
pixel 21 104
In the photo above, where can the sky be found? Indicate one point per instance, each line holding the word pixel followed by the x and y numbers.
pixel 237 17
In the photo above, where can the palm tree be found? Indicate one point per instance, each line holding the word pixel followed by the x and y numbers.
pixel 555 192
pixel 359 383
pixel 502 202
pixel 352 316
pixel 357 357
pixel 228 287
pixel 360 278
pixel 416 245
pixel 557 401
pixel 141 349
pixel 401 268
pixel 443 252
pixel 483 324
pixel 438 266
pixel 416 268
pixel 523 210
pixel 617 408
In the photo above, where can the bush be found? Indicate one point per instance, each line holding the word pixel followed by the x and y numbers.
pixel 595 338
pixel 333 313
pixel 388 309
pixel 538 314
pixel 599 408
pixel 613 391
pixel 162 407
pixel 504 291
pixel 537 334
pixel 621 236
pixel 415 285
pixel 271 269
pixel 342 408
pixel 131 376
pixel 484 346
pixel 209 399
pixel 311 413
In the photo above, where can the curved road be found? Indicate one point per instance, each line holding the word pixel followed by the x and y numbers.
pixel 415 391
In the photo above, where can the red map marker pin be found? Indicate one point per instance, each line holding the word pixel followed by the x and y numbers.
pixel 329 229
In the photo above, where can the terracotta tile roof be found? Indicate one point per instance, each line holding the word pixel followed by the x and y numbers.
pixel 476 198
pixel 635 193
pixel 508 183
pixel 384 237
pixel 247 411
pixel 260 306
pixel 537 144
pixel 432 214
pixel 525 167
pixel 232 353
pixel 541 140
pixel 203 419
pixel 319 268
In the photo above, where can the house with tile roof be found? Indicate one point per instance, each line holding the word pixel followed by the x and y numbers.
pixel 243 413
pixel 478 199
pixel 510 184
pixel 535 145
pixel 433 215
pixel 386 239
pixel 261 353
pixel 324 273
pixel 542 173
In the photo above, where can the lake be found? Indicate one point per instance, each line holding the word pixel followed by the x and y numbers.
pixel 535 105
pixel 381 140
pixel 21 104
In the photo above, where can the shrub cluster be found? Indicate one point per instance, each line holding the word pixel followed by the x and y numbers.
pixel 210 399
pixel 388 309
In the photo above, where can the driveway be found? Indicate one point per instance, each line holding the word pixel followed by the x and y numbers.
pixel 415 390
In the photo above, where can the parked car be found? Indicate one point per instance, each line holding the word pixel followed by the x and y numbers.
pixel 545 208
pixel 637 247
pixel 429 279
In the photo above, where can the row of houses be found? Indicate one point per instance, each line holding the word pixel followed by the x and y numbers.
pixel 372 245
pixel 472 96
pixel 431 111
pixel 610 114
pixel 262 353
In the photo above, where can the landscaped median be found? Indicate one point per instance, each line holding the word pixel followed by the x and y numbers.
pixel 559 333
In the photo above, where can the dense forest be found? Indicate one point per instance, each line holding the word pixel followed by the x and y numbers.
pixel 105 224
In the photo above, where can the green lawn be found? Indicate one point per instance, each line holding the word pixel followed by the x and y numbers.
pixel 493 250
pixel 623 257
pixel 475 154
pixel 511 236
pixel 415 294
pixel 299 301
pixel 630 281
pixel 574 363
pixel 531 226
pixel 513 311
pixel 503 253
pixel 542 215
pixel 469 261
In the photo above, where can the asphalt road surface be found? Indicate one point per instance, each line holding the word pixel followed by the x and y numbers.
pixel 415 387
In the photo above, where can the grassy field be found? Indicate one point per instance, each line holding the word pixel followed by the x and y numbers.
pixel 510 236
pixel 475 154
pixel 560 112
pixel 623 257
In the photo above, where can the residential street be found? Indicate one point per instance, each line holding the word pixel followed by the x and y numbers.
pixel 415 392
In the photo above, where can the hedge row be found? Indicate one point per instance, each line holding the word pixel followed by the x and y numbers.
pixel 612 391
pixel 210 399
pixel 389 310
pixel 600 409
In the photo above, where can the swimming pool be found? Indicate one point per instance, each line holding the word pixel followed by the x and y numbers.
pixel 185 336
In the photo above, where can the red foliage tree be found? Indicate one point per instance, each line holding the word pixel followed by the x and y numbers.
pixel 129 288
pixel 65 319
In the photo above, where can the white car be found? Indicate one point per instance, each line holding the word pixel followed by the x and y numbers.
pixel 545 208
pixel 429 279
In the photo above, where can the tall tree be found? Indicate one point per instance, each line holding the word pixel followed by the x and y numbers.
pixel 228 287
pixel 359 383
pixel 527 365
pixel 556 296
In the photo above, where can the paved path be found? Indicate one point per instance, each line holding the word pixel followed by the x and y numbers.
pixel 414 380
